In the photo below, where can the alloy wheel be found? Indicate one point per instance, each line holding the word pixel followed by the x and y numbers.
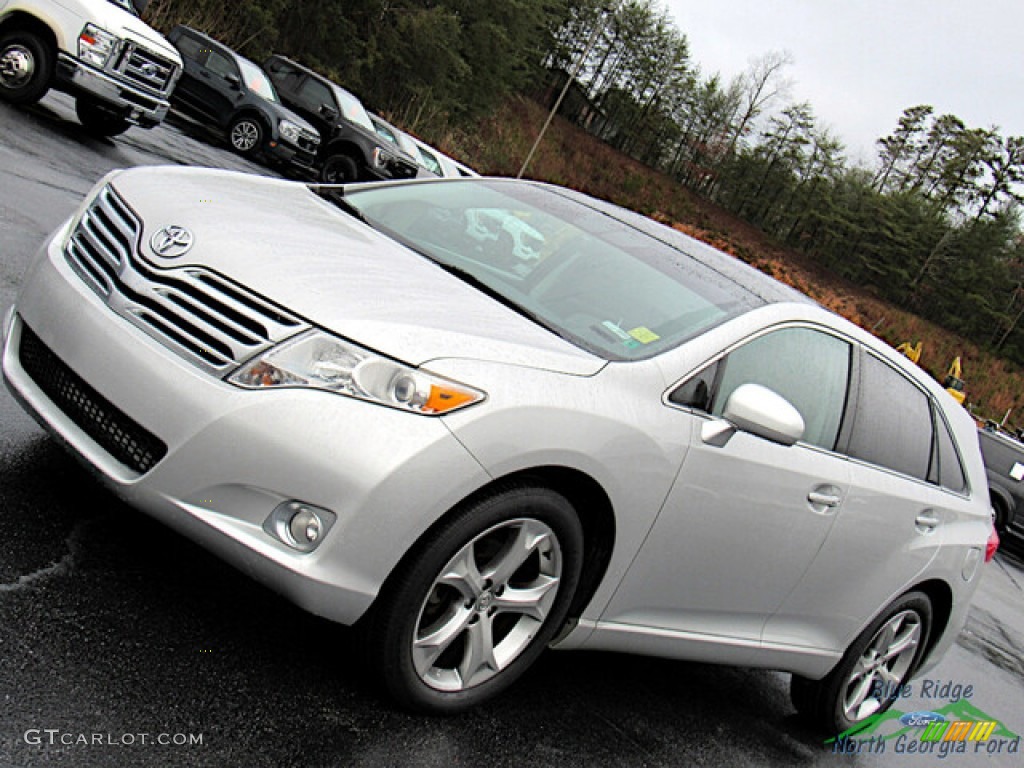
pixel 244 135
pixel 487 604
pixel 883 666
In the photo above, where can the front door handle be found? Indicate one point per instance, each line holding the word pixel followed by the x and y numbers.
pixel 825 499
pixel 927 522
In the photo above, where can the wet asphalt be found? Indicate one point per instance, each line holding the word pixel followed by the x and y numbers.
pixel 122 644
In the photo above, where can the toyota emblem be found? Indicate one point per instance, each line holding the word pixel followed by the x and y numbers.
pixel 172 242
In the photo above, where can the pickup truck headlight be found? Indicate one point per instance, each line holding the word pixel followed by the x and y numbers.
pixel 290 132
pixel 96 46
pixel 319 361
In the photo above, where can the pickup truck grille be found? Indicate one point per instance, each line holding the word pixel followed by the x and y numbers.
pixel 208 319
pixel 144 68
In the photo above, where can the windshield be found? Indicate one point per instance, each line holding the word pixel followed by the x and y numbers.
pixel 353 109
pixel 256 81
pixel 127 5
pixel 576 270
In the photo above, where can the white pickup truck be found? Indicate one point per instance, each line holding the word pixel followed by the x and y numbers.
pixel 120 71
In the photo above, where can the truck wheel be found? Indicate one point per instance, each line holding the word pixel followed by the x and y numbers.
pixel 97 120
pixel 339 169
pixel 246 135
pixel 26 66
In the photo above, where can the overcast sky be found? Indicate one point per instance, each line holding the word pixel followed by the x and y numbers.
pixel 860 63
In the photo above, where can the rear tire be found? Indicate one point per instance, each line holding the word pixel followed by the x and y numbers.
pixel 476 603
pixel 26 67
pixel 868 678
pixel 99 121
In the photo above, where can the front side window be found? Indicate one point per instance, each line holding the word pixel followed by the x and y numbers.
pixel 892 425
pixel 809 368
pixel 221 65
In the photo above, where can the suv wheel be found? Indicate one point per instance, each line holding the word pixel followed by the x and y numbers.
pixel 868 678
pixel 246 135
pixel 478 601
pixel 339 169
pixel 26 65
pixel 98 120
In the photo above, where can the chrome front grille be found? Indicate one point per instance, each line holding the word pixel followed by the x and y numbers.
pixel 145 68
pixel 208 319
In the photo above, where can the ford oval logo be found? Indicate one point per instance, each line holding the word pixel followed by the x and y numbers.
pixel 172 242
pixel 921 719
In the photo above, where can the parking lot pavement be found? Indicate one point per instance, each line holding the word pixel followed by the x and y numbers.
pixel 122 644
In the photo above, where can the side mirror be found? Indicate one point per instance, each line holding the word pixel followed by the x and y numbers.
pixel 328 112
pixel 233 81
pixel 758 411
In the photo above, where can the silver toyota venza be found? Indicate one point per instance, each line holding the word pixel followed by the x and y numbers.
pixel 386 404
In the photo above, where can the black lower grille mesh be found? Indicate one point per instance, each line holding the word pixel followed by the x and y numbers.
pixel 125 440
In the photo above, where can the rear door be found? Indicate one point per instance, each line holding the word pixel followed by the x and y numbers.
pixel 745 520
pixel 907 484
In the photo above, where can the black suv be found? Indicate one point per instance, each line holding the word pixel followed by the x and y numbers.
pixel 351 149
pixel 221 88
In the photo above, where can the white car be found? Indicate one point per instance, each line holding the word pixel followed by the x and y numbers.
pixel 635 443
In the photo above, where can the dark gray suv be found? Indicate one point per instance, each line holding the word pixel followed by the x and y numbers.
pixel 351 149
pixel 228 92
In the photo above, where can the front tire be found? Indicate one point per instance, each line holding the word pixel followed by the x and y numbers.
pixel 339 169
pixel 868 678
pixel 246 135
pixel 474 605
pixel 99 121
pixel 26 67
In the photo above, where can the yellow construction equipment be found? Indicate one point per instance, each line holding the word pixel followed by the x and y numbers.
pixel 953 383
pixel 912 352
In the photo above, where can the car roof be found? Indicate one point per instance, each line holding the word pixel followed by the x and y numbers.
pixel 315 74
pixel 216 44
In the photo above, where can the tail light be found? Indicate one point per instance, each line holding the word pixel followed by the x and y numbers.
pixel 992 545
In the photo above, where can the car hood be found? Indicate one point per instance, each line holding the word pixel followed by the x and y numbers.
pixel 120 22
pixel 286 243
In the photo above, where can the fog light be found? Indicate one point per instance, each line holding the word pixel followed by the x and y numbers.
pixel 299 525
pixel 305 526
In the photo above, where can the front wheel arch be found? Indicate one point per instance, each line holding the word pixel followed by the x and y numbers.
pixel 418 599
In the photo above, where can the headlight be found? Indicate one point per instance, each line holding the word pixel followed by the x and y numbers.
pixel 319 361
pixel 96 46
pixel 289 131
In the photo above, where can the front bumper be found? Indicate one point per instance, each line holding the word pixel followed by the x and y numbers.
pixel 233 456
pixel 285 153
pixel 134 104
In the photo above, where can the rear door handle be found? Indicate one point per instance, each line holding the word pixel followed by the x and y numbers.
pixel 927 522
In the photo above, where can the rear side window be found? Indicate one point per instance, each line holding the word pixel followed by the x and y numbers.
pixel 951 471
pixel 190 47
pixel 808 368
pixel 892 426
